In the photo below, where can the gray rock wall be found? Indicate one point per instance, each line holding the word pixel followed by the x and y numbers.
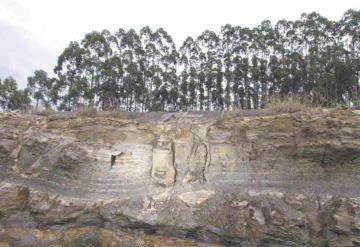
pixel 201 179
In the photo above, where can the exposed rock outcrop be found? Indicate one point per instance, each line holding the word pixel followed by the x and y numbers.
pixel 181 179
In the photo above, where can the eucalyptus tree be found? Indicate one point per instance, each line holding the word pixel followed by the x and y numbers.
pixel 227 37
pixel 151 65
pixel 227 75
pixel 40 87
pixel 117 52
pixel 12 98
pixel 218 92
pixel 274 77
pixel 111 73
pixel 72 81
pixel 244 93
pixel 168 58
pixel 255 77
pixel 350 33
pixel 9 86
pixel 190 53
pixel 350 26
pixel 20 100
pixel 131 53
pixel 263 46
pixel 263 78
pixel 209 66
pixel 242 87
pixel 281 51
pixel 109 90
pixel 97 52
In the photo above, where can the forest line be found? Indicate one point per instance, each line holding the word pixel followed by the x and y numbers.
pixel 236 68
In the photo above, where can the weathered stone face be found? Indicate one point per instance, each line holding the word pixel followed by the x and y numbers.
pixel 184 180
pixel 12 199
pixel 163 170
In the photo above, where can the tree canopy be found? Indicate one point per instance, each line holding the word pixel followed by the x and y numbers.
pixel 12 98
pixel 238 67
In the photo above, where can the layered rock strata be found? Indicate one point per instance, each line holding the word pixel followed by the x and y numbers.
pixel 181 179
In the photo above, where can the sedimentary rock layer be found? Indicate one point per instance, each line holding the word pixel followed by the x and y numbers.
pixel 181 179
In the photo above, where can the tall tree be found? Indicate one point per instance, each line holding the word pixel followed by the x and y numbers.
pixel 12 98
pixel 72 81
pixel 40 87
pixel 190 53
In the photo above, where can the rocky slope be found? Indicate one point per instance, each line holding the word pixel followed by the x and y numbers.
pixel 181 179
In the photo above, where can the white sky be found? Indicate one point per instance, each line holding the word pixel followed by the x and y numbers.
pixel 34 32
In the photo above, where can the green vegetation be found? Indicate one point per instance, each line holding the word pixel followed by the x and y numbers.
pixel 290 104
pixel 86 112
pixel 12 98
pixel 238 68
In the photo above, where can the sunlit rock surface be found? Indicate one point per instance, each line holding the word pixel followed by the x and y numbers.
pixel 181 179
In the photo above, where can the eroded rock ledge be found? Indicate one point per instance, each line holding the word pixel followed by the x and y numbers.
pixel 181 179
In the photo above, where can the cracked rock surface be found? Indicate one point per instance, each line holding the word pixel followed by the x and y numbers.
pixel 181 179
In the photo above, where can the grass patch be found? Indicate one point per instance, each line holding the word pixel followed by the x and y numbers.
pixel 116 113
pixel 44 112
pixel 289 104
pixel 86 112
pixel 121 114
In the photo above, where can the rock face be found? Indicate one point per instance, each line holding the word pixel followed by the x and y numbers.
pixel 181 179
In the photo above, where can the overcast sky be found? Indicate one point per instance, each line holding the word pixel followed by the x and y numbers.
pixel 34 32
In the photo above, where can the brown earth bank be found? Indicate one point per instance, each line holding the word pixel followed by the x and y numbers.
pixel 181 179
